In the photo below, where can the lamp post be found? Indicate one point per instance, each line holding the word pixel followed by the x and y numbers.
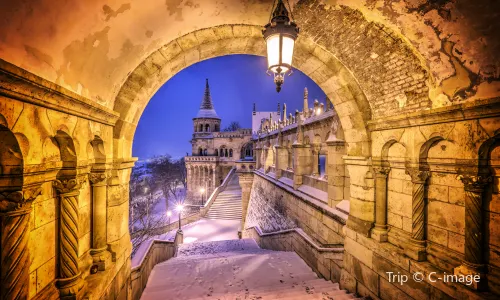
pixel 202 191
pixel 179 208
pixel 280 35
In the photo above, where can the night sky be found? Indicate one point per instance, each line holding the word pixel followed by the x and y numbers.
pixel 236 82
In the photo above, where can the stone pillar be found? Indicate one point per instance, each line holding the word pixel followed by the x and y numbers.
pixel 416 247
pixel 188 181
pixel 214 184
pixel 281 160
pixel 474 263
pixel 15 212
pixel 379 232
pixel 69 282
pixel 99 253
pixel 301 163
pixel 268 158
pixel 246 181
pixel 336 171
pixel 258 157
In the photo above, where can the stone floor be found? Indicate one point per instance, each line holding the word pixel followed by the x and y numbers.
pixel 237 269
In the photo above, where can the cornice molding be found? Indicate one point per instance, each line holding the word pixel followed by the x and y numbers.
pixel 460 112
pixel 19 84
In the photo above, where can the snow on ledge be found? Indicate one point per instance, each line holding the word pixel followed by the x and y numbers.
pixel 300 232
pixel 287 185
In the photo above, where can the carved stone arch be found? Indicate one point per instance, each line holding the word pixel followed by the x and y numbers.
pixel 11 161
pixel 99 151
pixel 340 85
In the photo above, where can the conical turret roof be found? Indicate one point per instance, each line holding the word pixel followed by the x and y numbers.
pixel 207 107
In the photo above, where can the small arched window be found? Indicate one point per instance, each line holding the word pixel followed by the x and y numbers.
pixel 207 128
pixel 230 152
pixel 200 151
pixel 201 128
pixel 216 152
pixel 221 152
pixel 225 153
pixel 205 152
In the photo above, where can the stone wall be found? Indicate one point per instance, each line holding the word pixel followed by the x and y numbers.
pixel 78 194
pixel 274 207
pixel 326 262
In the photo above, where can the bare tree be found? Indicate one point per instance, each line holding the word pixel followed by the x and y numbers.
pixel 233 126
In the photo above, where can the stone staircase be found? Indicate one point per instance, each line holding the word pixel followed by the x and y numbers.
pixel 237 269
pixel 227 205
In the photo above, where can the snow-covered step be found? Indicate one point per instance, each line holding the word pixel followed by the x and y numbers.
pixel 237 269
pixel 227 205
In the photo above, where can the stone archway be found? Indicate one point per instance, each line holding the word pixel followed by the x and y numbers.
pixel 323 67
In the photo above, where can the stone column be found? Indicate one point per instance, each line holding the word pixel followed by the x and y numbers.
pixel 336 171
pixel 15 209
pixel 69 282
pixel 281 160
pixel 188 181
pixel 379 232
pixel 213 179
pixel 246 181
pixel 268 158
pixel 301 163
pixel 258 157
pixel 474 263
pixel 99 253
pixel 416 247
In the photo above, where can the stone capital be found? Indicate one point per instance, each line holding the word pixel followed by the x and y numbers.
pixel 381 171
pixel 17 200
pixel 417 176
pixel 96 178
pixel 475 183
pixel 64 186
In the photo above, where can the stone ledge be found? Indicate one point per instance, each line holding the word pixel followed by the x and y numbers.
pixel 334 213
pixel 17 83
pixel 465 111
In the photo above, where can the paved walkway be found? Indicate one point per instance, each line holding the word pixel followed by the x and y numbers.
pixel 206 230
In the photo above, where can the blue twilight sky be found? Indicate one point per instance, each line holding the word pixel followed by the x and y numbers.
pixel 236 82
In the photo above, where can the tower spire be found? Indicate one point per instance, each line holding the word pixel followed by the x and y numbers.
pixel 207 109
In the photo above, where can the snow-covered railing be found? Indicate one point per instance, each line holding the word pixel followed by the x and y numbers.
pixel 148 255
pixel 324 260
pixel 215 193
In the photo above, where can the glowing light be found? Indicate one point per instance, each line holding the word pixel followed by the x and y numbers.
pixel 179 207
pixel 169 213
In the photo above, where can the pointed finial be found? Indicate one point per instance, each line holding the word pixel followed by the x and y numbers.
pixel 306 100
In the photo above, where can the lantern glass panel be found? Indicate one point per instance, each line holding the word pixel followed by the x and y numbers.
pixel 273 51
pixel 288 45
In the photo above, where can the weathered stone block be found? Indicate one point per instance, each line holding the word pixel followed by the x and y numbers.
pixel 42 245
pixel 359 252
pixel 389 291
pixel 438 192
pixel 45 212
pixel 437 235
pixel 447 216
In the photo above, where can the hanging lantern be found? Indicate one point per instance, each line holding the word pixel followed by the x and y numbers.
pixel 280 35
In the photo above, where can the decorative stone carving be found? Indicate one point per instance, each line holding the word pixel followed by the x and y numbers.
pixel 10 201
pixel 69 282
pixel 15 208
pixel 474 262
pixel 416 249
pixel 96 178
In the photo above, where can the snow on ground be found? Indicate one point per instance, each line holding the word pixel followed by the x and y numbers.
pixel 205 230
pixel 236 269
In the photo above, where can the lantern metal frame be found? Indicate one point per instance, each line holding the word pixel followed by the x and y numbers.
pixel 280 24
